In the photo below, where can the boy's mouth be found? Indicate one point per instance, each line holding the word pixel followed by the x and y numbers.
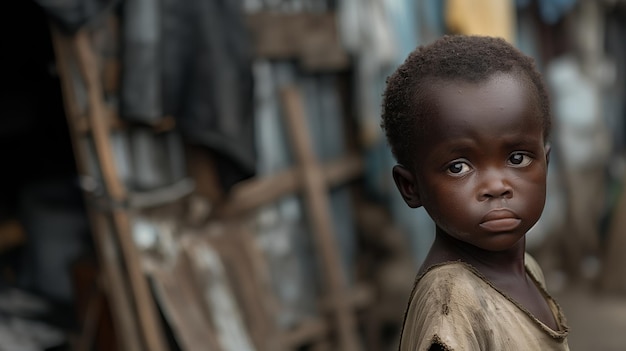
pixel 500 220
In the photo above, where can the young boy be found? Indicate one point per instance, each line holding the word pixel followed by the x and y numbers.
pixel 468 119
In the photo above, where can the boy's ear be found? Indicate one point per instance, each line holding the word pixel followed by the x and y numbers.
pixel 407 185
pixel 548 149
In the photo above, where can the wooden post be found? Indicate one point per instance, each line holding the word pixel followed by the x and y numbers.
pixel 319 217
pixel 112 275
pixel 140 300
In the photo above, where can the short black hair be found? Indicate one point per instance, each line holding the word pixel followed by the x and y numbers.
pixel 452 57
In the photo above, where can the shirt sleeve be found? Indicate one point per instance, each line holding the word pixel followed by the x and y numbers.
pixel 443 311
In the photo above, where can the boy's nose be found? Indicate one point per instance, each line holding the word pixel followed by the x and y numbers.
pixel 495 186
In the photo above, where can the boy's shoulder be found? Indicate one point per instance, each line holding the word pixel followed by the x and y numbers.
pixel 455 306
pixel 444 307
pixel 441 273
pixel 448 281
pixel 457 280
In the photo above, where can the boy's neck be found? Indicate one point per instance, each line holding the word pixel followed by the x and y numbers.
pixel 446 248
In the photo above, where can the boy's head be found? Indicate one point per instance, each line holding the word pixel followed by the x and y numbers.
pixel 467 119
pixel 406 104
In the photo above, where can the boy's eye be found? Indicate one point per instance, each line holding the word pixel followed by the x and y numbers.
pixel 458 168
pixel 519 160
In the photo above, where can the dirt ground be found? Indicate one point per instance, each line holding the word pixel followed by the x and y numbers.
pixel 597 321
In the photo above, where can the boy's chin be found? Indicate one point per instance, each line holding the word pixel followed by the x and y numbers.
pixel 497 243
pixel 503 243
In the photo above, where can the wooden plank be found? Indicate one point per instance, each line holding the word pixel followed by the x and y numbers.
pixel 254 193
pixel 116 286
pixel 319 217
pixel 113 282
pixel 149 319
pixel 97 115
pixel 250 292
pixel 180 300
pixel 311 38
pixel 214 286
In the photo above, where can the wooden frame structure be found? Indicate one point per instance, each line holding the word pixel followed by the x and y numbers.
pixel 124 281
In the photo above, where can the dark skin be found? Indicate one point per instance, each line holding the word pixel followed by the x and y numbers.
pixel 481 175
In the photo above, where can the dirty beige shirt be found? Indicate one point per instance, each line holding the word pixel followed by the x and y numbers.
pixel 454 305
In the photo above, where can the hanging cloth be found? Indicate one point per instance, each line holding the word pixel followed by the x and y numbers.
pixel 482 17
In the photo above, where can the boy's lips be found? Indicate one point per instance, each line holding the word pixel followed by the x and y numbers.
pixel 500 220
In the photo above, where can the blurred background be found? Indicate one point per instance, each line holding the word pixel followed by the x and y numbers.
pixel 211 174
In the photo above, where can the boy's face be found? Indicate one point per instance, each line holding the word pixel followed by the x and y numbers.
pixel 482 166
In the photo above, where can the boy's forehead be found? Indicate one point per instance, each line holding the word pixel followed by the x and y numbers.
pixel 498 92
pixel 502 101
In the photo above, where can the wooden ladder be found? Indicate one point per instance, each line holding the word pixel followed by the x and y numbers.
pixel 135 314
